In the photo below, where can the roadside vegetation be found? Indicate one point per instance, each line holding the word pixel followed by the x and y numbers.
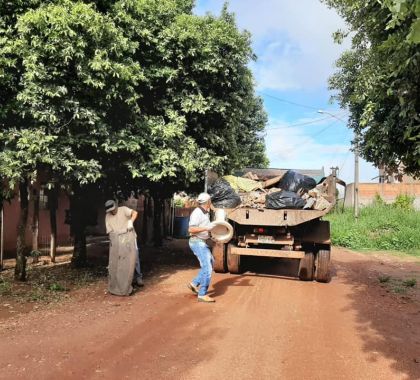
pixel 397 285
pixel 381 226
pixel 47 284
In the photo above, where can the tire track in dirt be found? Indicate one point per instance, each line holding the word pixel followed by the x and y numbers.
pixel 261 327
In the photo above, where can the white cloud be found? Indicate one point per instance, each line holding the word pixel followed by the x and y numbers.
pixel 289 147
pixel 293 40
pixel 302 147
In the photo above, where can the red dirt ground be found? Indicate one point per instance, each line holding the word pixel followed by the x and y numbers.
pixel 263 326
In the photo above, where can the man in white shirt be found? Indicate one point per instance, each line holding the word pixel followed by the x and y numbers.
pixel 120 220
pixel 199 228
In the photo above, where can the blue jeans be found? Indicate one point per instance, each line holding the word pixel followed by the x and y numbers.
pixel 204 256
pixel 137 271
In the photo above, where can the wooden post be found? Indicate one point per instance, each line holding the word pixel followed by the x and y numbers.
pixel 356 178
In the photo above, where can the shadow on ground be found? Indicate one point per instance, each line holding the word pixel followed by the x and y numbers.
pixel 387 322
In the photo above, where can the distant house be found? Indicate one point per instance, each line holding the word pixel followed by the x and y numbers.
pixel 391 176
pixel 391 184
pixel 144 224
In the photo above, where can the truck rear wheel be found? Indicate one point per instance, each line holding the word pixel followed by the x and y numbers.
pixel 233 261
pixel 219 254
pixel 306 267
pixel 322 266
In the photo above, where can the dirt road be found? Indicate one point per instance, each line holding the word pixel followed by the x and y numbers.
pixel 264 326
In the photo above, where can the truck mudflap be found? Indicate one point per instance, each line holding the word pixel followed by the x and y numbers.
pixel 316 232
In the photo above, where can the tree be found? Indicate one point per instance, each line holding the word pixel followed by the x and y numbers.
pixel 378 80
pixel 74 73
pixel 124 95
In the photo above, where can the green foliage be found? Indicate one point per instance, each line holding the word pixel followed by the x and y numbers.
pixel 125 95
pixel 377 200
pixel 380 227
pixel 404 201
pixel 397 285
pixel 5 287
pixel 384 278
pixel 124 92
pixel 410 283
pixel 378 79
pixel 35 254
pixel 56 287
pixel 405 11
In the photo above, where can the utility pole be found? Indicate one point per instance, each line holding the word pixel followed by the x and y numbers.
pixel 206 180
pixel 356 177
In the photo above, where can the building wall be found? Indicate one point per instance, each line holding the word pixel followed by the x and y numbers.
pixel 387 191
pixel 11 220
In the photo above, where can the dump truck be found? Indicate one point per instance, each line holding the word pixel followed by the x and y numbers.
pixel 296 234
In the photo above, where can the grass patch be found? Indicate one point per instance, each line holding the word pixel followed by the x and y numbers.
pixel 5 287
pixel 410 283
pixel 379 227
pixel 383 279
pixel 397 285
pixel 48 284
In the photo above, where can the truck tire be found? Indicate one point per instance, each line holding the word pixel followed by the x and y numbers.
pixel 306 267
pixel 219 254
pixel 322 266
pixel 233 261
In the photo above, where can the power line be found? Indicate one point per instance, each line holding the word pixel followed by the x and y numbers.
pixel 288 101
pixel 301 124
pixel 309 138
pixel 344 161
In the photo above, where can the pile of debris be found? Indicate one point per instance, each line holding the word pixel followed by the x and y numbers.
pixel 291 190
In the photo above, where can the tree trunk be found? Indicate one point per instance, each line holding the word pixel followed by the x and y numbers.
pixel 78 228
pixel 20 268
pixel 145 212
pixel 52 206
pixel 35 224
pixel 79 259
pixel 167 218
pixel 157 222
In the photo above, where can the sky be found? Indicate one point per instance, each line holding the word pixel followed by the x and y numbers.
pixel 296 55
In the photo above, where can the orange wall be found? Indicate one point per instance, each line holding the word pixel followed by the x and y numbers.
pixel 11 219
pixel 387 191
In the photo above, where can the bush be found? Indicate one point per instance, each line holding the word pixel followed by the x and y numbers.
pixel 404 201
pixel 381 227
pixel 378 201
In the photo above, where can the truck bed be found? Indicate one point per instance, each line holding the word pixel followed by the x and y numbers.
pixel 268 217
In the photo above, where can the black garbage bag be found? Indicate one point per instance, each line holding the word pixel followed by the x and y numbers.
pixel 284 199
pixel 223 195
pixel 293 181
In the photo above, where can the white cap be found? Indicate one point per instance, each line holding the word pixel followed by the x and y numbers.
pixel 203 198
